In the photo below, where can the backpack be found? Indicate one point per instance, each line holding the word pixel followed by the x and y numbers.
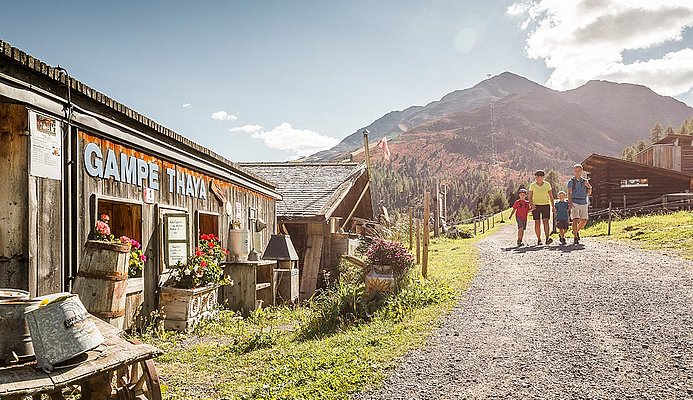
pixel 575 183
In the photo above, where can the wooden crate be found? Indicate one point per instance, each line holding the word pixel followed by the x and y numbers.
pixel 182 309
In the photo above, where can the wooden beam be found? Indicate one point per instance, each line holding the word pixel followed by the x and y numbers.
pixel 358 201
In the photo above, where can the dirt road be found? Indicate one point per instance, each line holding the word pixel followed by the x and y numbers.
pixel 603 321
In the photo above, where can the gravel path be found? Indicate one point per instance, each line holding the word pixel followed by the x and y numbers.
pixel 603 321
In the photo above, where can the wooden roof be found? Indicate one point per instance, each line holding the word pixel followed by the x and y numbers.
pixel 49 78
pixel 309 190
pixel 598 160
pixel 685 139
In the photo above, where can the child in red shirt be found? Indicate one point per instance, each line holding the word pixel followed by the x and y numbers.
pixel 521 209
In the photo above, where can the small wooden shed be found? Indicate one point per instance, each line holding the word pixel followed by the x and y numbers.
pixel 320 202
pixel 71 153
pixel 627 183
pixel 673 152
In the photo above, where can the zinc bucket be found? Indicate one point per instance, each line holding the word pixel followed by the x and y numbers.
pixel 61 329
pixel 15 340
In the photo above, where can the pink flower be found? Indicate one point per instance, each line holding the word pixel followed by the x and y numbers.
pixel 143 258
pixel 105 217
pixel 124 239
pixel 102 228
pixel 135 243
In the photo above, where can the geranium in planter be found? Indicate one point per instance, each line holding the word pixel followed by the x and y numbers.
pixel 137 258
pixel 190 294
pixel 389 262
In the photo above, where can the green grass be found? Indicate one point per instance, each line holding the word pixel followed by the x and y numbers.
pixel 660 231
pixel 265 356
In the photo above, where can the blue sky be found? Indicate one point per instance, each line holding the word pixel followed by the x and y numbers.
pixel 284 78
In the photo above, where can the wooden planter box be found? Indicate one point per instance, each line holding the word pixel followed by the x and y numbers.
pixel 182 309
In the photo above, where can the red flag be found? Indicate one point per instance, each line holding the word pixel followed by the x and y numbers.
pixel 383 145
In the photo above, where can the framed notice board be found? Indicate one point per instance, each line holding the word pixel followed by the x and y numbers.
pixel 176 238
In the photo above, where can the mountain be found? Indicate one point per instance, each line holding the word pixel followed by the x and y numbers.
pixel 505 126
pixel 599 116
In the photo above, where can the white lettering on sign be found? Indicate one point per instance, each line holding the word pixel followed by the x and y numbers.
pixel 136 171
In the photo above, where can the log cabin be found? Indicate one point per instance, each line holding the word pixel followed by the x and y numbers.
pixel 628 183
pixel 322 203
pixel 71 153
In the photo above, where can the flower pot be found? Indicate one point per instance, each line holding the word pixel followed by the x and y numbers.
pixel 182 309
pixel 101 281
pixel 380 282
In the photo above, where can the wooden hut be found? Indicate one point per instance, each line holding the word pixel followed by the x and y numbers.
pixel 71 153
pixel 673 152
pixel 321 203
pixel 627 183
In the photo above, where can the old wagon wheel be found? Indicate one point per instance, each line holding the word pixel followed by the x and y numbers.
pixel 136 381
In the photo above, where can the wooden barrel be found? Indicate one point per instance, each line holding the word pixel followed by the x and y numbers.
pixel 102 280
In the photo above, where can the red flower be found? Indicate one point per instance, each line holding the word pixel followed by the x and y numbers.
pixel 211 245
pixel 203 263
pixel 199 252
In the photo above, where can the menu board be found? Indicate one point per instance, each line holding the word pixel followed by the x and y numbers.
pixel 176 238
pixel 46 146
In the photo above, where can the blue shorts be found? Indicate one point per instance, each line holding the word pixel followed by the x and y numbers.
pixel 521 223
pixel 562 224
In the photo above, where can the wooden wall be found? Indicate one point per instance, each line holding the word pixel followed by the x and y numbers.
pixel 606 179
pixel 91 188
pixel 14 201
pixel 31 226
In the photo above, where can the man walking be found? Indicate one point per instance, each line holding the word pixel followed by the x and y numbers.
pixel 541 203
pixel 578 190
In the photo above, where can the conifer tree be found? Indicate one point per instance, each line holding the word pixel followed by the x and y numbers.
pixel 657 132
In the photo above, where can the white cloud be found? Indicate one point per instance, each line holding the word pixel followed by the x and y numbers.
pixel 186 105
pixel 585 39
pixel 246 128
pixel 300 142
pixel 223 116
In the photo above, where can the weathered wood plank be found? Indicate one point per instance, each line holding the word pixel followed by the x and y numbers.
pixel 311 265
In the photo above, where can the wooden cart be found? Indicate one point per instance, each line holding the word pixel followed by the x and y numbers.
pixel 118 369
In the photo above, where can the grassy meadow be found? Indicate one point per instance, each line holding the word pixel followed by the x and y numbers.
pixel 269 356
pixel 672 231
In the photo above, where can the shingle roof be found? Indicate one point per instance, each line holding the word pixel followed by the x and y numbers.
pixel 308 189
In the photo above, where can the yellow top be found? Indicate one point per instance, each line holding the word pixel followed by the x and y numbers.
pixel 540 194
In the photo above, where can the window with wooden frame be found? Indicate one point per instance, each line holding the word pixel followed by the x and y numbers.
pixel 206 223
pixel 125 218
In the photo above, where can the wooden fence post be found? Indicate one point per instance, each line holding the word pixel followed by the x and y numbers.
pixel 424 263
pixel 411 228
pixel 624 201
pixel 475 222
pixel 418 241
pixel 436 210
pixel 609 230
pixel 483 225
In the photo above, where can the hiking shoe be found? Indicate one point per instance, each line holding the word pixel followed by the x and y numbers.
pixel 576 240
pixel 562 240
pixel 539 243
pixel 549 241
pixel 519 242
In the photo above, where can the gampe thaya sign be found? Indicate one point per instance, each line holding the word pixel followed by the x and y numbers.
pixel 126 168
